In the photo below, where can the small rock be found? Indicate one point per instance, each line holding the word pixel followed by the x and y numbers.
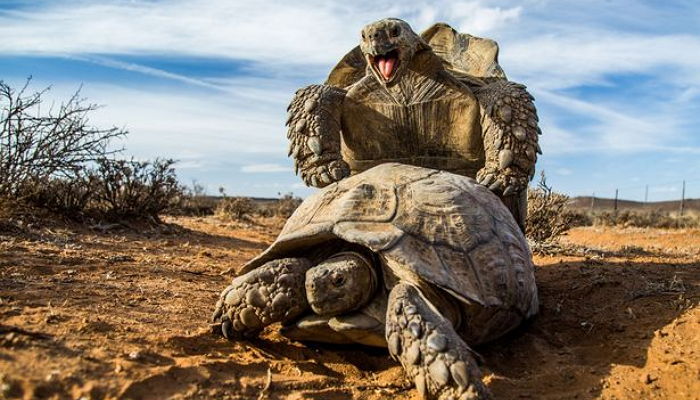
pixel 648 379
pixel 53 376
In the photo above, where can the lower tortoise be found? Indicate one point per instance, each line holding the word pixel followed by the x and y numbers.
pixel 422 261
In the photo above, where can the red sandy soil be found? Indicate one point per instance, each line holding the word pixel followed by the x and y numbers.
pixel 123 314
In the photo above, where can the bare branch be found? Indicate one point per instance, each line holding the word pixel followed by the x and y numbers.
pixel 36 145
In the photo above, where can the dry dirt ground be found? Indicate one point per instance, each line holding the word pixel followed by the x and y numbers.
pixel 123 314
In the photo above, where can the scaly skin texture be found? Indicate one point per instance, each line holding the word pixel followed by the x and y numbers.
pixel 272 293
pixel 314 135
pixel 341 284
pixel 437 360
pixel 509 124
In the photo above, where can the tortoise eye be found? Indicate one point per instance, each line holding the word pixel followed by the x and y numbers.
pixel 338 280
pixel 395 31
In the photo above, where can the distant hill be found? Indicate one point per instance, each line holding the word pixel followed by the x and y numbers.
pixel 601 204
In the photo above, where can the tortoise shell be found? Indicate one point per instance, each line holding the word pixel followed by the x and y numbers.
pixel 429 227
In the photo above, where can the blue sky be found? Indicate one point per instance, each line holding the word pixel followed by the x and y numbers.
pixel 617 82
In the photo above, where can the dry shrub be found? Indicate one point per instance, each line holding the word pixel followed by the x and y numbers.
pixel 235 208
pixel 243 208
pixel 52 159
pixel 112 190
pixel 195 202
pixel 286 205
pixel 67 196
pixel 128 189
pixel 646 219
pixel 547 215
pixel 39 144
pixel 283 207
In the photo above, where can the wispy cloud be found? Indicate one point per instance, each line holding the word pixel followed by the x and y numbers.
pixel 264 168
pixel 593 56
pixel 142 69
pixel 303 32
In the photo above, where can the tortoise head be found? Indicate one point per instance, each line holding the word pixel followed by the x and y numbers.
pixel 388 46
pixel 343 283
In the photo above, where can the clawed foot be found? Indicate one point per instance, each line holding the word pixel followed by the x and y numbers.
pixel 502 181
pixel 271 293
pixel 433 355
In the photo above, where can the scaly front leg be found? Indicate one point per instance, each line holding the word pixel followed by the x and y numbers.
pixel 273 292
pixel 433 355
pixel 510 133
pixel 314 134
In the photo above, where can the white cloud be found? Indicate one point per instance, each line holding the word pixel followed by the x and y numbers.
pixel 473 17
pixel 265 168
pixel 589 56
pixel 302 32
pixel 211 127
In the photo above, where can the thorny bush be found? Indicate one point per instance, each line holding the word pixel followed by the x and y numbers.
pixel 39 143
pixel 547 215
pixel 53 159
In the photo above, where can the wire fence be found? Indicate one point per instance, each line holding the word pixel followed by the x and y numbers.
pixel 638 196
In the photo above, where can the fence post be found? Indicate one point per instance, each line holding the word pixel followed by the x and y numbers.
pixel 615 204
pixel 682 199
pixel 646 194
pixel 592 201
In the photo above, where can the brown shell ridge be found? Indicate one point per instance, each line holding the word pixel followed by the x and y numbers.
pixel 464 297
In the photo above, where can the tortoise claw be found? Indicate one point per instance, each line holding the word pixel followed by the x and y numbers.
pixel 509 190
pixel 495 186
pixel 487 180
pixel 227 329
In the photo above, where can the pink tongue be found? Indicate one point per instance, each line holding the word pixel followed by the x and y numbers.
pixel 386 66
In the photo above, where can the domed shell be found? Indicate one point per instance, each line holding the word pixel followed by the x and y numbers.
pixel 428 226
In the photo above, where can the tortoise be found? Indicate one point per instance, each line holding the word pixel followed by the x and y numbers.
pixel 437 100
pixel 422 261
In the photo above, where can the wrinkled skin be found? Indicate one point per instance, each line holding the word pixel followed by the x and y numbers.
pixel 389 45
pixel 341 284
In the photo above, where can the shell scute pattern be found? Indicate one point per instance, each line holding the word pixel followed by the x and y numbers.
pixel 440 213
pixel 428 227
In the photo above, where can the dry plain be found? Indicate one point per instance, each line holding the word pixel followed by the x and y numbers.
pixel 113 312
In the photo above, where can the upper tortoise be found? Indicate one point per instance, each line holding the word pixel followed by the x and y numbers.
pixel 439 100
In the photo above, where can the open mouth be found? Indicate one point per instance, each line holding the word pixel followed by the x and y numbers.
pixel 386 64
